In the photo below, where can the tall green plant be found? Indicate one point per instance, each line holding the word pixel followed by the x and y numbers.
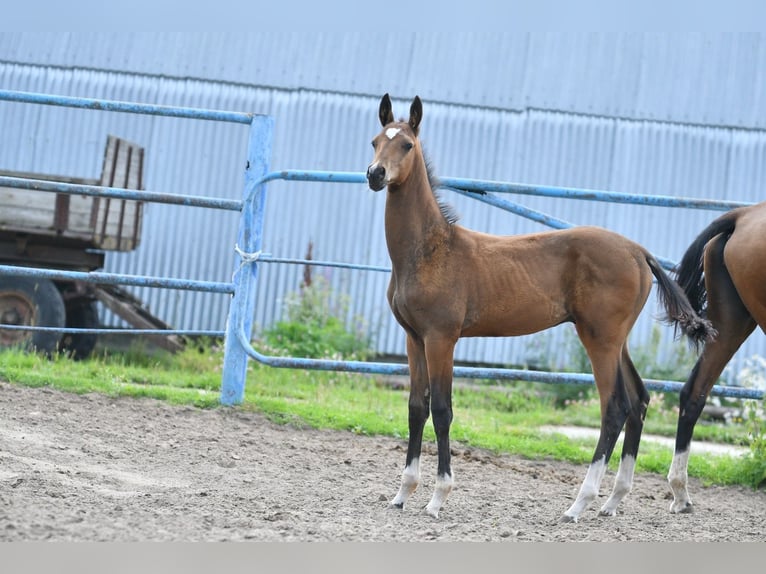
pixel 314 326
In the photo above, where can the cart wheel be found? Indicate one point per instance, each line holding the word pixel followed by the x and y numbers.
pixel 30 301
pixel 80 314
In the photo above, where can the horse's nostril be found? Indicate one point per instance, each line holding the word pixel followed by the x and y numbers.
pixel 374 171
pixel 376 174
pixel 376 177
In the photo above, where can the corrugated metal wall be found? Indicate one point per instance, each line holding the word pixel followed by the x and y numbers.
pixel 549 115
pixel 711 78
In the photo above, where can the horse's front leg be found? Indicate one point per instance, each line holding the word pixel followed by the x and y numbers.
pixel 440 359
pixel 418 415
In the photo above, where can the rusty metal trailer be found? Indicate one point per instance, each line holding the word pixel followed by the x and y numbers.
pixel 72 233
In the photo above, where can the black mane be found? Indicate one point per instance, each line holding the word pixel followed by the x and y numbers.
pixel 447 210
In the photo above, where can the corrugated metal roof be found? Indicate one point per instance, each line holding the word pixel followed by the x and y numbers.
pixel 712 79
pixel 316 129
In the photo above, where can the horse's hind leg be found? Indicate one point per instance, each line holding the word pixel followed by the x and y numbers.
pixel 693 396
pixel 634 425
pixel 418 415
pixel 734 324
pixel 614 410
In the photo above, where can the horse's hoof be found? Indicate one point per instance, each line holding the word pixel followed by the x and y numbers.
pixel 396 505
pixel 682 508
pixel 432 513
pixel 566 519
pixel 603 512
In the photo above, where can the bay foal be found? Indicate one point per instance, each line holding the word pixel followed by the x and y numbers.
pixel 449 282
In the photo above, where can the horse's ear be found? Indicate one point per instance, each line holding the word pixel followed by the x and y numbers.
pixel 416 114
pixel 384 113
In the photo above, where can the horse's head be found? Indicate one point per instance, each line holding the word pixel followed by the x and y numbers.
pixel 396 147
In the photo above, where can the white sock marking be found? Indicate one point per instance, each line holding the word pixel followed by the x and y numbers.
pixel 622 485
pixel 677 478
pixel 410 480
pixel 588 490
pixel 442 489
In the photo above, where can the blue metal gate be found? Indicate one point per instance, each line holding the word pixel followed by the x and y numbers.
pixel 238 348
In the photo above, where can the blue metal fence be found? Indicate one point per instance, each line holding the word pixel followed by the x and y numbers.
pixel 258 154
pixel 481 190
pixel 238 347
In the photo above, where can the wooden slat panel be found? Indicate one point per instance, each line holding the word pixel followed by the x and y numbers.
pixel 29 211
pixel 117 222
pixel 109 224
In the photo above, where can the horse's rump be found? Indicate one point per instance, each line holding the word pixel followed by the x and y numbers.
pixel 690 271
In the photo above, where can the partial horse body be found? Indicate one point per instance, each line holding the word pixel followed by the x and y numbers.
pixel 449 282
pixel 723 273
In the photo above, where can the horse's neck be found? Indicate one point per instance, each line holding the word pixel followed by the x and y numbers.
pixel 413 218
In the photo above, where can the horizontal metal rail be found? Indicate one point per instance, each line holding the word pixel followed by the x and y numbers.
pixel 120 193
pixel 320 263
pixel 128 107
pixel 369 367
pixel 479 186
pixel 163 332
pixel 484 190
pixel 118 279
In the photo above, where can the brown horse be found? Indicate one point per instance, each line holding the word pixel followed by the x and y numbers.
pixel 723 273
pixel 449 282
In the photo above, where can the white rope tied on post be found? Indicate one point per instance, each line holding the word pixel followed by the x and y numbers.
pixel 246 258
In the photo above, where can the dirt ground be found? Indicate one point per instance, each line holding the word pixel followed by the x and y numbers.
pixel 96 468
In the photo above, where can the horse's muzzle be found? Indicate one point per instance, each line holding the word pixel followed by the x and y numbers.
pixel 376 177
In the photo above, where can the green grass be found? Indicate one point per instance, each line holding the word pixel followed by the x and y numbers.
pixel 503 420
pixel 185 379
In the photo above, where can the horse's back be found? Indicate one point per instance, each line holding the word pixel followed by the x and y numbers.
pixel 570 265
pixel 581 237
pixel 560 251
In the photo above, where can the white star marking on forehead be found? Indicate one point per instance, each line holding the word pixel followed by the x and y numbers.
pixel 391 132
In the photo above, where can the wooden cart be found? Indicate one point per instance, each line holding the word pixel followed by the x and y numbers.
pixel 71 232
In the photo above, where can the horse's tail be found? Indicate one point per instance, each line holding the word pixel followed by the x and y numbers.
pixel 680 311
pixel 689 272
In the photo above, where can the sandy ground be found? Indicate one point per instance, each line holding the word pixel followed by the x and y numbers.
pixel 96 468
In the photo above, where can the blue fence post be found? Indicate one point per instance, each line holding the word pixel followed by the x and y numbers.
pixel 249 240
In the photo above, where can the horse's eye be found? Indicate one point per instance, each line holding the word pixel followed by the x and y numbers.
pixel 407 146
pixel 373 144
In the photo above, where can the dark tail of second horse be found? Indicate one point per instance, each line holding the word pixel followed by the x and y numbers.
pixel 679 309
pixel 689 272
